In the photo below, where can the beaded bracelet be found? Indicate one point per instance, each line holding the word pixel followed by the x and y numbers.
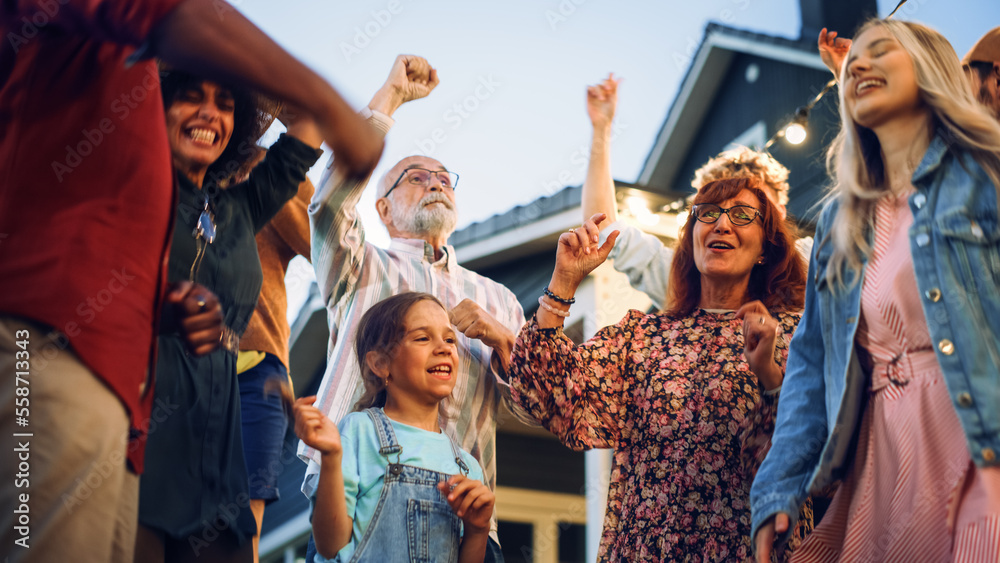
pixel 551 309
pixel 548 293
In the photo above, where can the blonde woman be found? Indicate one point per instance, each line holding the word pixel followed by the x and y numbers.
pixel 893 378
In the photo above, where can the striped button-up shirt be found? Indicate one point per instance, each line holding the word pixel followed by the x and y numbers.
pixel 353 275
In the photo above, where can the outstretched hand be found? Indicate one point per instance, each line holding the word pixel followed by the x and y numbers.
pixel 602 100
pixel 315 429
pixel 578 253
pixel 760 335
pixel 410 78
pixel 833 50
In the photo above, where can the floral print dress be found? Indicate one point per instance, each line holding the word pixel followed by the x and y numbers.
pixel 688 422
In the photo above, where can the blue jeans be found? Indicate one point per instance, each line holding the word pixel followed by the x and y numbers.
pixel 264 426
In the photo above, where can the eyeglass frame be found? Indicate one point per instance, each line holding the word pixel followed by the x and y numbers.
pixel 694 212
pixel 434 172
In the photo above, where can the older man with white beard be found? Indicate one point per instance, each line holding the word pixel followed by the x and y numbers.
pixel 417 205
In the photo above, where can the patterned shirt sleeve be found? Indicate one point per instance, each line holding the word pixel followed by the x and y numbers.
pixel 338 240
pixel 514 321
pixel 757 440
pixel 757 433
pixel 576 392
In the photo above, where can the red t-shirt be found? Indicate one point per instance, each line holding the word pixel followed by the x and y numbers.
pixel 86 187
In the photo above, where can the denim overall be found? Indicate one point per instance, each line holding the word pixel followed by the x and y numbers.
pixel 412 522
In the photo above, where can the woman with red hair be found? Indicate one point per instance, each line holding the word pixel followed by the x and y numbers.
pixel 686 397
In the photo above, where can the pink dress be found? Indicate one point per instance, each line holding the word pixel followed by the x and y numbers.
pixel 913 493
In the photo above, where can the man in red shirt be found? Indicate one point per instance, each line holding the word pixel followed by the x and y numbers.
pixel 86 209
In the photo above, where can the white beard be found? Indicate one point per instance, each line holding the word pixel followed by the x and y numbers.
pixel 434 221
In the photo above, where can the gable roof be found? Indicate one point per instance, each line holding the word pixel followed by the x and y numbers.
pixel 696 94
pixel 528 228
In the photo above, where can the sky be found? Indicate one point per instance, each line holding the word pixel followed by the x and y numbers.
pixel 509 114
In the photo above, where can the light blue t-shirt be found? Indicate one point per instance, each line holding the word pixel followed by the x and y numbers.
pixel 364 468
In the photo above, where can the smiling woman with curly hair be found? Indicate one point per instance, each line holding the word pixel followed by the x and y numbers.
pixel 196 481
pixel 686 397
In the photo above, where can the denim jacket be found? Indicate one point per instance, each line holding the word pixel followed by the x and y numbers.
pixel 955 244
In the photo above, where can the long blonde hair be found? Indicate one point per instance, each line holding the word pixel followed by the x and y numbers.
pixel 854 160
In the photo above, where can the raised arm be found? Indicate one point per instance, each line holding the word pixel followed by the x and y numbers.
pixel 212 39
pixel 330 517
pixel 573 391
pixel 599 187
pixel 410 78
pixel 338 238
pixel 833 50
pixel 276 179
pixel 579 393
pixel 640 256
pixel 301 125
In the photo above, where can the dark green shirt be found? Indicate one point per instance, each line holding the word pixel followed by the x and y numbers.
pixel 195 470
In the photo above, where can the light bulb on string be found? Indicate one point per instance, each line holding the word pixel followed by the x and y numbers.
pixel 796 132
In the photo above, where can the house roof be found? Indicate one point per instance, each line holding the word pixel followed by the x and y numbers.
pixel 528 228
pixel 696 94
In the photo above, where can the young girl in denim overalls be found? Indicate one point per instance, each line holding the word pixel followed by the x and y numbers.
pixel 392 486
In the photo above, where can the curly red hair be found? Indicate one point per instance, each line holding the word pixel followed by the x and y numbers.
pixel 779 283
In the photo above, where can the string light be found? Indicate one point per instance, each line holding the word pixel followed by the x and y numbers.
pixel 795 131
pixel 896 9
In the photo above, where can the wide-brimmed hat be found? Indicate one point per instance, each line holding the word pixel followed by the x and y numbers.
pixel 986 50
